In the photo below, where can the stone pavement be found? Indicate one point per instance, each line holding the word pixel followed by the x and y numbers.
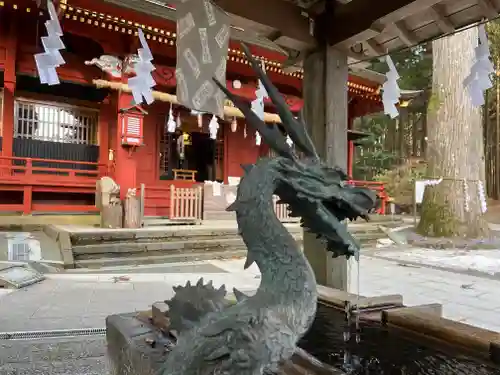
pixel 61 356
pixel 70 300
pixel 67 301
pixel 472 262
pixel 469 299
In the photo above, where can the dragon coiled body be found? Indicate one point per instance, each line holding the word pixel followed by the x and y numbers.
pixel 260 332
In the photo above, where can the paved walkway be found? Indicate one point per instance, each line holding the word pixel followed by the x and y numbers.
pixel 469 299
pixel 83 301
pixel 67 301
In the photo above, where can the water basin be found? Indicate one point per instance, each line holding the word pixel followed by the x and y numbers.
pixel 382 350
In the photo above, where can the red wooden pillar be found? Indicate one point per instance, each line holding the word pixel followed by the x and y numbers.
pixel 106 116
pixel 125 163
pixel 350 158
pixel 227 132
pixel 9 87
pixel 350 149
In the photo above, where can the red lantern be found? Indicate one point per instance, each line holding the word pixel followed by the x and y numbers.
pixel 132 122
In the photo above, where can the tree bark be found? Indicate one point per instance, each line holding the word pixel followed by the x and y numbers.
pixel 455 145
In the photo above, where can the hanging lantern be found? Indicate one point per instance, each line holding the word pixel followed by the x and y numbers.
pixel 199 117
pixel 234 124
pixel 236 84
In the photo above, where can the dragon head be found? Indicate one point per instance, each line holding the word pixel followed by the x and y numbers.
pixel 318 193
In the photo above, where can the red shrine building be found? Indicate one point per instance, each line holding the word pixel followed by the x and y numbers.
pixel 57 141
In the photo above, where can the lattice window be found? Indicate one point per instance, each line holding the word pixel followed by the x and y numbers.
pixel 219 159
pixel 20 251
pixel 166 140
pixel 55 123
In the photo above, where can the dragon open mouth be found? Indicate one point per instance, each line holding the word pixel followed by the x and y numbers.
pixel 316 192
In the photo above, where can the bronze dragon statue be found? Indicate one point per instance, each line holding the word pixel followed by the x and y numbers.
pixel 257 333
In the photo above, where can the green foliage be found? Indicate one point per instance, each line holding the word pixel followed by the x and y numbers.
pixel 434 103
pixel 414 66
pixel 372 157
pixel 399 182
pixel 493 29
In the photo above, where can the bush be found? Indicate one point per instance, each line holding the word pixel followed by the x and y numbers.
pixel 400 182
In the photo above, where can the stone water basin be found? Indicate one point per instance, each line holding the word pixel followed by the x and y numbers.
pixel 383 351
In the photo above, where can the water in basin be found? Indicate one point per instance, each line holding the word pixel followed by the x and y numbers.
pixel 33 246
pixel 382 351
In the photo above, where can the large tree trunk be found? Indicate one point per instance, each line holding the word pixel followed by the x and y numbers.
pixel 455 146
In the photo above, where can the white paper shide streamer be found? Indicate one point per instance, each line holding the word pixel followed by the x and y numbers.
pixel 466 195
pixel 482 196
pixel 258 139
pixel 391 91
pixel 258 105
pixel 171 124
pixel 479 80
pixel 48 61
pixel 289 141
pixel 143 82
pixel 213 127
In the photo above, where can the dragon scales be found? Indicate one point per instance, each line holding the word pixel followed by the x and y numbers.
pixel 259 332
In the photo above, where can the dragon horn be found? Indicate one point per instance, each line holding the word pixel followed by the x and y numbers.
pixel 294 129
pixel 271 134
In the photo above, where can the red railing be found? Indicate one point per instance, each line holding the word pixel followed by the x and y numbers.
pixel 37 171
pixel 377 187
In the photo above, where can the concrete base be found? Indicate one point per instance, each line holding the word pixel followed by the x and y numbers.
pixel 137 347
pixel 28 223
pixel 131 351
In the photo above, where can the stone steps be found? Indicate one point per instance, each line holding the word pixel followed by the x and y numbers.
pixel 188 248
pixel 159 259
pixel 93 248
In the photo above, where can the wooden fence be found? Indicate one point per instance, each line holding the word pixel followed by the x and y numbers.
pixel 186 204
pixel 282 212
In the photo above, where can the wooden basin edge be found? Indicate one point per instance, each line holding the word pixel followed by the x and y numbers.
pixel 484 342
pixel 341 299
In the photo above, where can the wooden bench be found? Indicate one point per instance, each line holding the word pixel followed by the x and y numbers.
pixel 184 174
